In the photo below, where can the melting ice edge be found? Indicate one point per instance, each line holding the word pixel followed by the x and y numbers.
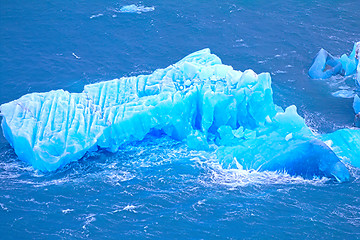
pixel 198 100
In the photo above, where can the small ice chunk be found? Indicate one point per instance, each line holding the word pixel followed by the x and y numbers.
pixel 136 9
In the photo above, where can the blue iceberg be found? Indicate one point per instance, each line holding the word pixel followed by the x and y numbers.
pixel 198 100
pixel 324 66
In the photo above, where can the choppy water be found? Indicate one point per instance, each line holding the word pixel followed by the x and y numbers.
pixel 157 188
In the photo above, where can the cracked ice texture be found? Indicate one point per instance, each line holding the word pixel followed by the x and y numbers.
pixel 51 129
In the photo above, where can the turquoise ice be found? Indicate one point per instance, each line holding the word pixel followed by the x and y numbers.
pixel 345 143
pixel 198 100
pixel 324 66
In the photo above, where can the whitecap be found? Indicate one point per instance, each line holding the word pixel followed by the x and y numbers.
pixel 234 178
pixel 96 15
pixel 66 211
pixel 76 56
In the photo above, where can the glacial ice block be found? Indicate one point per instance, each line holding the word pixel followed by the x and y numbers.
pixel 135 9
pixel 325 65
pixel 198 100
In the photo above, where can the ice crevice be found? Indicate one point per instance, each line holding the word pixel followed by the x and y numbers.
pixel 197 100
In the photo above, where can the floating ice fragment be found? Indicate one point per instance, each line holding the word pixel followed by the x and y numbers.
pixel 135 9
pixel 325 65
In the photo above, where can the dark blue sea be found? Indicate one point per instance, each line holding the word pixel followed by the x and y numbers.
pixel 157 188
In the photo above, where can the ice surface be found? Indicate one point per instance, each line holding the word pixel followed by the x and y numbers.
pixel 346 144
pixel 286 145
pixel 198 100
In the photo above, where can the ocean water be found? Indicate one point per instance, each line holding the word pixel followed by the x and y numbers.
pixel 157 188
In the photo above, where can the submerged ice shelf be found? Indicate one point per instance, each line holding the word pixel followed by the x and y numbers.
pixel 198 100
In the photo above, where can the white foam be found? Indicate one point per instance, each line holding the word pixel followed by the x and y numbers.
pixel 241 178
pixel 96 15
pixel 66 211
pixel 76 56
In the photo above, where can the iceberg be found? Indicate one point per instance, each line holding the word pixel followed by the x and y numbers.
pixel 197 100
pixel 135 9
pixel 324 66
